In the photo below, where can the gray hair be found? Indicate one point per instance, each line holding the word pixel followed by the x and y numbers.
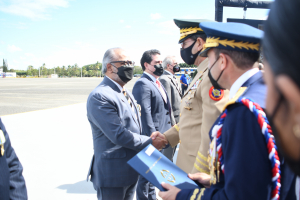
pixel 167 60
pixel 108 57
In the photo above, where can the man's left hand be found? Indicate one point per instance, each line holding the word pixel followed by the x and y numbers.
pixel 170 194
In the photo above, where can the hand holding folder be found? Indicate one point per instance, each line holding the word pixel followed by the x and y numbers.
pixel 156 168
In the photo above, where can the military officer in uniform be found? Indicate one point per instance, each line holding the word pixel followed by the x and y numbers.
pixel 200 106
pixel 243 158
pixel 12 183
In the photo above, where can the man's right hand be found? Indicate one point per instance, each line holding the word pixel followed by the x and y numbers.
pixel 156 134
pixel 159 141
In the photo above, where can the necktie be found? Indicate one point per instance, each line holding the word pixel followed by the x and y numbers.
pixel 161 90
pixel 129 101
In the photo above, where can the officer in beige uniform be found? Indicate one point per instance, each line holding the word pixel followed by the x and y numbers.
pixel 200 105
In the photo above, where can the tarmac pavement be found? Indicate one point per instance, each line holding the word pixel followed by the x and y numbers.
pixel 54 144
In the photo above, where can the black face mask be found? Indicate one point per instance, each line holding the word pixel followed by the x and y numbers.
pixel 159 70
pixel 125 73
pixel 187 56
pixel 212 80
pixel 176 68
pixel 293 164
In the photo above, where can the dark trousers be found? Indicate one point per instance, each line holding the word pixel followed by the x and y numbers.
pixel 116 193
pixel 145 190
pixel 183 88
pixel 169 152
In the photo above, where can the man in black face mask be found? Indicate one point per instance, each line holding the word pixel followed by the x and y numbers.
pixel 200 105
pixel 170 83
pixel 117 129
pixel 155 108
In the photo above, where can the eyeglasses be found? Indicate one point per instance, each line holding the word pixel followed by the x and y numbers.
pixel 127 63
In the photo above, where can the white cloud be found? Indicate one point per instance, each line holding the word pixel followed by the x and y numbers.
pixel 168 28
pixel 150 22
pixel 29 55
pixel 128 26
pixel 13 48
pixel 34 9
pixel 155 16
pixel 121 21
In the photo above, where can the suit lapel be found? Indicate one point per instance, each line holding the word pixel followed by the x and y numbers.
pixel 176 85
pixel 111 84
pixel 146 76
pixel 135 107
pixel 123 98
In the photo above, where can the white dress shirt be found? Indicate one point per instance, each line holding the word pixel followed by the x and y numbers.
pixel 240 81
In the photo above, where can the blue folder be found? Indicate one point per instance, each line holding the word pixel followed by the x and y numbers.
pixel 156 168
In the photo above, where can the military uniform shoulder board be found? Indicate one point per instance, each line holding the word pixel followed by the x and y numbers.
pixel 216 94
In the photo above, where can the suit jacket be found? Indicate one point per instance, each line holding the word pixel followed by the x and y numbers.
pixel 198 111
pixel 12 183
pixel 246 161
pixel 172 88
pixel 117 135
pixel 155 112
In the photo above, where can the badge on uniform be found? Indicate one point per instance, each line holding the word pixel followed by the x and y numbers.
pixel 2 141
pixel 216 94
pixel 139 108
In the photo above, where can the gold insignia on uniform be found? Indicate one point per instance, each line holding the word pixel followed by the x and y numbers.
pixel 169 176
pixel 2 141
pixel 2 149
pixel 139 109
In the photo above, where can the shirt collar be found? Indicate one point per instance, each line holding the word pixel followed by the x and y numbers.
pixel 152 77
pixel 117 84
pixel 240 81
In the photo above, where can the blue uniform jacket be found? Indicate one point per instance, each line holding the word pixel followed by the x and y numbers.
pixel 247 166
pixel 12 183
pixel 116 136
pixel 156 114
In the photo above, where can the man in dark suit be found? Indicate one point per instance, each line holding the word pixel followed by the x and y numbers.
pixel 155 108
pixel 12 183
pixel 117 129
pixel 172 87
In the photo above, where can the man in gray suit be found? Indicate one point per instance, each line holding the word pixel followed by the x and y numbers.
pixel 172 87
pixel 117 131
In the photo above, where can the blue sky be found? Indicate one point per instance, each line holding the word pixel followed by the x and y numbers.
pixel 65 32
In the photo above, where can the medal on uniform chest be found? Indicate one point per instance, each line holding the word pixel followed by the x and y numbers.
pixel 2 141
pixel 213 162
pixel 188 101
pixel 2 150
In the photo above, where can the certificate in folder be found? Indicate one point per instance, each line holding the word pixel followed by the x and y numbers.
pixel 156 168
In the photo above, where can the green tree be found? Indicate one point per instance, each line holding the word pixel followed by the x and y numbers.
pixel 137 70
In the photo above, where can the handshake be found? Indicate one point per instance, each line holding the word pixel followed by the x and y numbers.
pixel 159 141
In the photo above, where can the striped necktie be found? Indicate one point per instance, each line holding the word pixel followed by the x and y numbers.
pixel 129 101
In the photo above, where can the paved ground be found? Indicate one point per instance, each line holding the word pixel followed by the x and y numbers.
pixel 23 95
pixel 54 141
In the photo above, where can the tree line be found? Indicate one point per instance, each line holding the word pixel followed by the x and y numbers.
pixel 91 70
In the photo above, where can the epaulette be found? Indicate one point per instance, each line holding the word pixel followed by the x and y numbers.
pixel 239 93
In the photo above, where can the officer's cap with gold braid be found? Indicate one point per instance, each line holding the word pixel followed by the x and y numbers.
pixel 189 27
pixel 231 36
